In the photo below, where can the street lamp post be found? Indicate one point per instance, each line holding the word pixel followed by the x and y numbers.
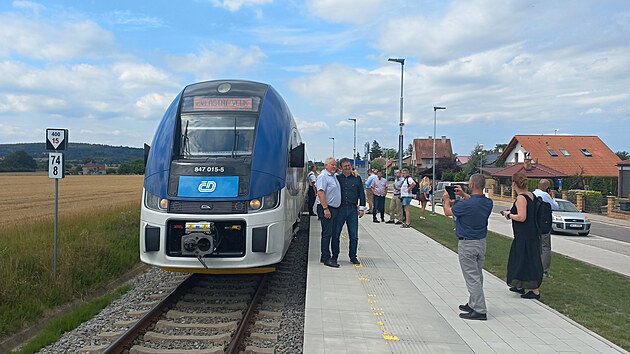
pixel 333 139
pixel 435 109
pixel 401 124
pixel 481 158
pixel 354 156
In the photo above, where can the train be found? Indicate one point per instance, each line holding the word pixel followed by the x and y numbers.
pixel 225 180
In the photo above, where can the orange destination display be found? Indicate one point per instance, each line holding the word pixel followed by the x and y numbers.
pixel 223 104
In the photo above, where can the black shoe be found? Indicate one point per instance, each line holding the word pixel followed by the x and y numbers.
pixel 466 308
pixel 312 214
pixel 474 315
pixel 376 221
pixel 382 220
pixel 331 263
pixel 517 290
pixel 398 222
pixel 531 295
pixel 389 222
pixel 321 259
pixel 354 261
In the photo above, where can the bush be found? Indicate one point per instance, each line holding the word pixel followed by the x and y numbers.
pixel 593 200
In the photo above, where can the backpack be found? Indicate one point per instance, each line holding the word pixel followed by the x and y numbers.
pixel 543 217
pixel 416 189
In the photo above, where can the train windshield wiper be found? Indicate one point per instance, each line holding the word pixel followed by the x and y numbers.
pixel 186 142
pixel 236 138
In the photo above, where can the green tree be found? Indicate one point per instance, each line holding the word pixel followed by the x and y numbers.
pixel 389 153
pixel 375 151
pixel 498 148
pixel 135 167
pixel 409 150
pixel 378 163
pixel 623 155
pixel 476 155
pixel 18 161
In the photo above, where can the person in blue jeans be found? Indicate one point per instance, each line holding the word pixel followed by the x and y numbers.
pixel 352 206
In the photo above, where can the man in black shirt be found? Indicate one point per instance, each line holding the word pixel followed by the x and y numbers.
pixel 352 193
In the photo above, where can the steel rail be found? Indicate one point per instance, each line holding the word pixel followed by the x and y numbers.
pixel 239 336
pixel 125 341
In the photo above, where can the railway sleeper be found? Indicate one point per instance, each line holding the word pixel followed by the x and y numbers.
pixel 139 349
pixel 250 349
pixel 162 324
pixel 159 337
pixel 217 298
pixel 267 324
pixel 201 305
pixel 173 314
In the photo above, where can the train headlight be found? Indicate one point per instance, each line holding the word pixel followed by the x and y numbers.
pixel 267 202
pixel 255 204
pixel 154 202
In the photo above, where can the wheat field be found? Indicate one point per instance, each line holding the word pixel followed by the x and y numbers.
pixel 30 197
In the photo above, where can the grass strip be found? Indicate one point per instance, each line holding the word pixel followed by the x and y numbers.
pixel 53 331
pixel 591 296
pixel 94 248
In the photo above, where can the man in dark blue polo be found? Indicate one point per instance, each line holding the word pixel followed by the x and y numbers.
pixel 352 194
pixel 471 227
pixel 328 202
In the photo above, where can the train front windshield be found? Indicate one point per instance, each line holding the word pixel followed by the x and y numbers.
pixel 217 134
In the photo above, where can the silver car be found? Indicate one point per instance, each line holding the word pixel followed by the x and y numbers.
pixel 569 219
pixel 440 189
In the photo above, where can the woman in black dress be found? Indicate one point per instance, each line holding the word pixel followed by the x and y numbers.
pixel 524 270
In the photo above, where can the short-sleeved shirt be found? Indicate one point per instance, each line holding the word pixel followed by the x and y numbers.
pixel 328 183
pixel 546 198
pixel 380 186
pixel 368 181
pixel 472 217
pixel 312 178
pixel 404 188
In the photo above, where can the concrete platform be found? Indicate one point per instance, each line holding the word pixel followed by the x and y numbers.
pixel 403 299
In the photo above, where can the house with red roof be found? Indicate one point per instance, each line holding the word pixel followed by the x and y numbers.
pixel 422 152
pixel 573 155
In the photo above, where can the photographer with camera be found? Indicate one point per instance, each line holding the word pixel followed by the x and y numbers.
pixel 471 227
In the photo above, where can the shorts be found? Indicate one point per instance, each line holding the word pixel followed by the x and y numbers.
pixel 406 200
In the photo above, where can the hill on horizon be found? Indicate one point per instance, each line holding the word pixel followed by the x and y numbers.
pixel 79 152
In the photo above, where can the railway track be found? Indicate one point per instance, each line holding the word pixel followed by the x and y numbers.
pixel 203 314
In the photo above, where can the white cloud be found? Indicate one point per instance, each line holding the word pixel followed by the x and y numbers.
pixel 208 63
pixel 350 11
pixel 141 75
pixel 311 127
pixel 47 40
pixel 29 5
pixel 235 5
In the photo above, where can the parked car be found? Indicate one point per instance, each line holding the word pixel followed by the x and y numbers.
pixel 569 219
pixel 440 190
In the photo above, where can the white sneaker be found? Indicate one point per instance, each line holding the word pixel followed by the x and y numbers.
pixel 422 217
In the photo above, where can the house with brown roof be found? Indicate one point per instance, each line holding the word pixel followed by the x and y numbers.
pixel 574 155
pixel 92 168
pixel 422 152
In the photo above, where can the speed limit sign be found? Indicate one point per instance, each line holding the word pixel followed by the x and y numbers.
pixel 55 165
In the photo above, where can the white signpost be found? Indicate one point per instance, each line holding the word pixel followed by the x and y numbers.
pixel 57 140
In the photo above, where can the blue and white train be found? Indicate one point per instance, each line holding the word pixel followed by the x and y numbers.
pixel 225 182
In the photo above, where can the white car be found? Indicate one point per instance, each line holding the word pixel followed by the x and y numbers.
pixel 569 219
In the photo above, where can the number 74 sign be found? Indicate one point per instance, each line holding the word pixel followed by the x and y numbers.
pixel 55 165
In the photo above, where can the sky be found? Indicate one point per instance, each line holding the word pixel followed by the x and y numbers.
pixel 107 70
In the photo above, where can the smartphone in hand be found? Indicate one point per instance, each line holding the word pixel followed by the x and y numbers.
pixel 451 192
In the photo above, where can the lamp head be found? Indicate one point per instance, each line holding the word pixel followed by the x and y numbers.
pixel 397 60
pixel 436 108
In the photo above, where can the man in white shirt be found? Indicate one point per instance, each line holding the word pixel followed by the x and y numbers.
pixel 312 189
pixel 328 202
pixel 545 239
